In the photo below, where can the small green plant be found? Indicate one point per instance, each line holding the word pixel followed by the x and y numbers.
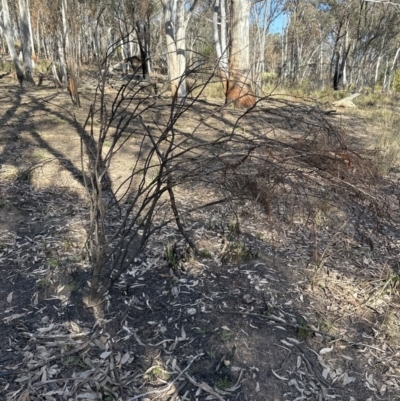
pixel 202 332
pixel 234 228
pixel 5 203
pixel 211 354
pixel 204 253
pixel 72 361
pixel 44 283
pixel 171 256
pixel 156 372
pixel 304 330
pixel 238 251
pixel 223 383
pixel 224 336
pixel 53 263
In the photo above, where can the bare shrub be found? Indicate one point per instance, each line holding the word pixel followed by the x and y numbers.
pixel 307 167
pixel 296 170
pixel 123 217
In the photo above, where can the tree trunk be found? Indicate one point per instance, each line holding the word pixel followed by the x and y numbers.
pixel 219 18
pixel 10 42
pixel 174 15
pixel 38 54
pixel 339 68
pixel 377 70
pixel 239 89
pixel 143 37
pixel 31 35
pixel 26 42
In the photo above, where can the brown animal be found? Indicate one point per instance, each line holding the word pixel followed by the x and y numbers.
pixel 242 96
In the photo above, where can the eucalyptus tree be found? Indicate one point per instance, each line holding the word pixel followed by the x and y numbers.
pixel 231 36
pixel 176 22
pixel 26 41
pixel 219 36
pixel 8 33
pixel 239 82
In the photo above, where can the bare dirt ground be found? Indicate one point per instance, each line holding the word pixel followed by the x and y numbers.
pixel 290 299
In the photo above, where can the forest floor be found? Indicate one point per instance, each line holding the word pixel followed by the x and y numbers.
pixel 288 301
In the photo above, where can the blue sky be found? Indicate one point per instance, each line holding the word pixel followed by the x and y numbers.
pixel 278 24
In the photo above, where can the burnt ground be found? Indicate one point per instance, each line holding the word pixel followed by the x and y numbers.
pixel 281 303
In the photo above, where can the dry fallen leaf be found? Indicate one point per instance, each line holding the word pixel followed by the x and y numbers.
pixel 9 319
pixel 125 358
pixel 279 377
pixel 105 354
pixel 325 350
pixel 348 379
pixel 90 396
pixel 24 396
pixel 9 297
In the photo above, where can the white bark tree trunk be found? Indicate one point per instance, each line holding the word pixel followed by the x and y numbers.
pixel 219 31
pixel 239 84
pixel 175 32
pixel 26 41
pixel 377 70
pixel 31 35
pixel 10 41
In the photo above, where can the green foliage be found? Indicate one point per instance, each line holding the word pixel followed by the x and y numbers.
pixel 171 256
pixel 223 383
pixel 156 372
pixel 234 227
pixel 304 330
pixel 53 263
pixel 211 354
pixel 202 332
pixel 42 66
pixel 6 66
pixel 207 50
pixel 268 78
pixel 205 254
pixel 224 335
pixel 396 83
pixel 44 283
pixel 238 251
pixel 214 90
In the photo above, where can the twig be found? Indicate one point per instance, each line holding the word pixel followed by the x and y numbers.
pixel 54 336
